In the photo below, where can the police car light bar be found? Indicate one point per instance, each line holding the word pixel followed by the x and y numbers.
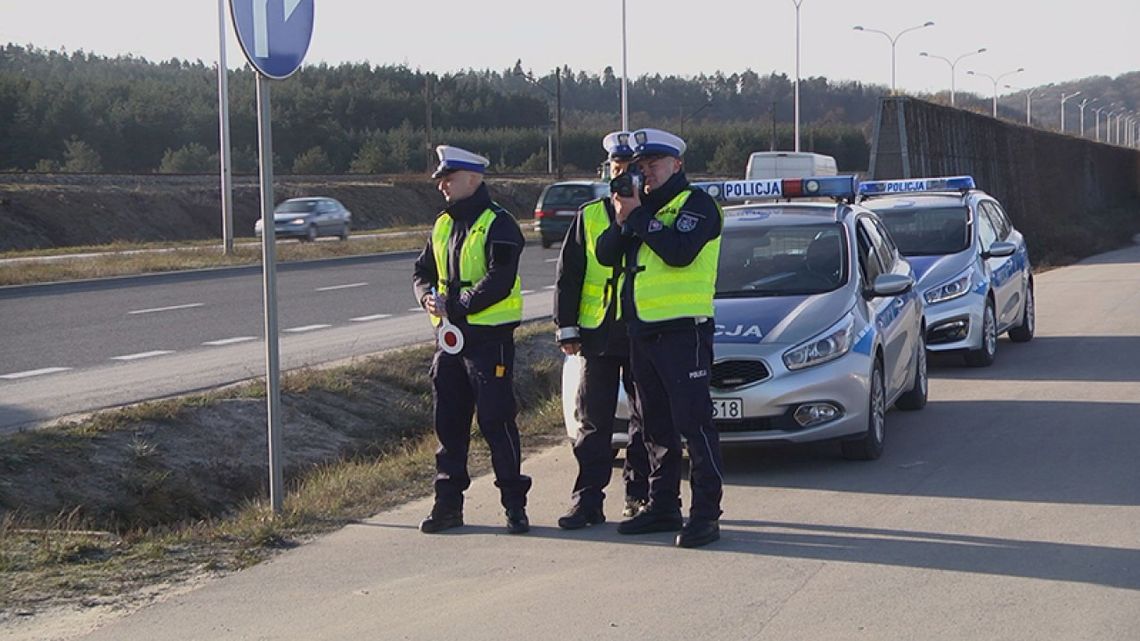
pixel 947 183
pixel 813 187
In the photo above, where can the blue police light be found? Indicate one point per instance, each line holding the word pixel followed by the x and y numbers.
pixel 946 183
pixel 777 188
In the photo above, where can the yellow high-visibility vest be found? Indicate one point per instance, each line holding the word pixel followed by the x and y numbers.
pixel 663 292
pixel 598 286
pixel 472 269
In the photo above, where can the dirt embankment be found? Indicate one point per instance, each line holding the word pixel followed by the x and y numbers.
pixel 60 210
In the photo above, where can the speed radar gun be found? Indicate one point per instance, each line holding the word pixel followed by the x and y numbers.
pixel 448 336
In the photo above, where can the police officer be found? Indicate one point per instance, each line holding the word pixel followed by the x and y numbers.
pixel 669 237
pixel 467 280
pixel 589 324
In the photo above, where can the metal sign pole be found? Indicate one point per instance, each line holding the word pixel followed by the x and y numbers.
pixel 269 265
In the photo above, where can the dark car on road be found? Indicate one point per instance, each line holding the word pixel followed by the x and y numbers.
pixel 559 202
pixel 309 218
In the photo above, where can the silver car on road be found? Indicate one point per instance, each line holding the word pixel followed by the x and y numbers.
pixel 818 329
pixel 972 265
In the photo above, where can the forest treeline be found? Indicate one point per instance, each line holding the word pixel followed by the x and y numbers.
pixel 83 112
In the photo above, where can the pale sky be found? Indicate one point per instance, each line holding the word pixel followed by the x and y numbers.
pixel 1053 41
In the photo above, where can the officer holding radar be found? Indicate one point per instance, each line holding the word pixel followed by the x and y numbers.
pixel 467 280
pixel 669 238
pixel 589 324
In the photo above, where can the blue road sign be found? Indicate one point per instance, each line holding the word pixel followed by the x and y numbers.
pixel 274 34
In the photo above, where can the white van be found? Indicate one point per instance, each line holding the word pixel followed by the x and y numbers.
pixel 788 164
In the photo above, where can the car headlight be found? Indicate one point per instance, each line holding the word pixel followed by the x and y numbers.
pixel 827 346
pixel 956 288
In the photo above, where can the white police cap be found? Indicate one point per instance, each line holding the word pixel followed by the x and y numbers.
pixel 456 159
pixel 617 145
pixel 655 142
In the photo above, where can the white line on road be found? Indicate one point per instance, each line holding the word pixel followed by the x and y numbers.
pixel 166 309
pixel 526 291
pixel 416 309
pixel 34 372
pixel 348 286
pixel 364 319
pixel 550 287
pixel 230 341
pixel 132 357
pixel 550 260
pixel 305 328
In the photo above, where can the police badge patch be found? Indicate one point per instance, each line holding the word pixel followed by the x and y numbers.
pixel 655 225
pixel 686 223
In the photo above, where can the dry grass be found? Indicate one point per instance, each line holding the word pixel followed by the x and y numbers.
pixel 72 560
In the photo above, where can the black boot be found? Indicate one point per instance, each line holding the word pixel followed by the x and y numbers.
pixel 440 520
pixel 651 519
pixel 698 532
pixel 580 516
pixel 517 523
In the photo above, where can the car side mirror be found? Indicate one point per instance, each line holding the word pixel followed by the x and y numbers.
pixel 1000 249
pixel 890 285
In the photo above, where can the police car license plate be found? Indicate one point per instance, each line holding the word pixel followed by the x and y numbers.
pixel 728 408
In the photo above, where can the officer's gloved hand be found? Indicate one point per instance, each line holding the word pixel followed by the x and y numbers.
pixel 570 347
pixel 435 305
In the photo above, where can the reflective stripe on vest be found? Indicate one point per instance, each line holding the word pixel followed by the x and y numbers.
pixel 472 269
pixel 598 287
pixel 663 292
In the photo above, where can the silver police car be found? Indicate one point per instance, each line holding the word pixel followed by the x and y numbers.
pixel 818 329
pixel 972 265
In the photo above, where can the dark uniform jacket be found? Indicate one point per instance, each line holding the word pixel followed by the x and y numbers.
pixel 505 243
pixel 609 338
pixel 677 248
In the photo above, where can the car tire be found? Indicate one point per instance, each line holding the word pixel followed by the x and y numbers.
pixel 343 235
pixel 310 234
pixel 915 397
pixel 869 446
pixel 1023 333
pixel 984 355
pixel 547 243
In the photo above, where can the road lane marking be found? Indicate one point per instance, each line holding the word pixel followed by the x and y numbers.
pixel 132 357
pixel 526 291
pixel 34 372
pixel 305 328
pixel 550 287
pixel 416 309
pixel 348 286
pixel 550 260
pixel 364 319
pixel 230 341
pixel 166 309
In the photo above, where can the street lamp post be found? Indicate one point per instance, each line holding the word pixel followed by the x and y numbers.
pixel 557 95
pixel 624 75
pixel 797 92
pixel 1028 101
pixel 953 63
pixel 692 115
pixel 1096 119
pixel 995 81
pixel 893 40
pixel 1108 125
pixel 1064 98
pixel 1081 105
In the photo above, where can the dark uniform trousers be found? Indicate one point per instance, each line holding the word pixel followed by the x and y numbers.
pixel 593 448
pixel 477 379
pixel 671 373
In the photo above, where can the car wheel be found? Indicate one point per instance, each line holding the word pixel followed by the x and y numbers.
pixel 984 355
pixel 310 234
pixel 1023 333
pixel 915 397
pixel 870 446
pixel 343 235
pixel 547 242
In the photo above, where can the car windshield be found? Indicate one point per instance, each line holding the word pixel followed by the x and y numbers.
pixel 927 231
pixel 781 260
pixel 296 206
pixel 569 196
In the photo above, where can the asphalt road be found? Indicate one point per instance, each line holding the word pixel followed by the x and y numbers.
pixel 1008 509
pixel 75 347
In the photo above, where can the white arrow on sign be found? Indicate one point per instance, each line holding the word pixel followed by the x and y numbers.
pixel 261 23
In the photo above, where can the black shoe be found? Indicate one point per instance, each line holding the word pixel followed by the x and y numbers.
pixel 698 532
pixel 517 523
pixel 651 520
pixel 440 521
pixel 580 516
pixel 633 506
